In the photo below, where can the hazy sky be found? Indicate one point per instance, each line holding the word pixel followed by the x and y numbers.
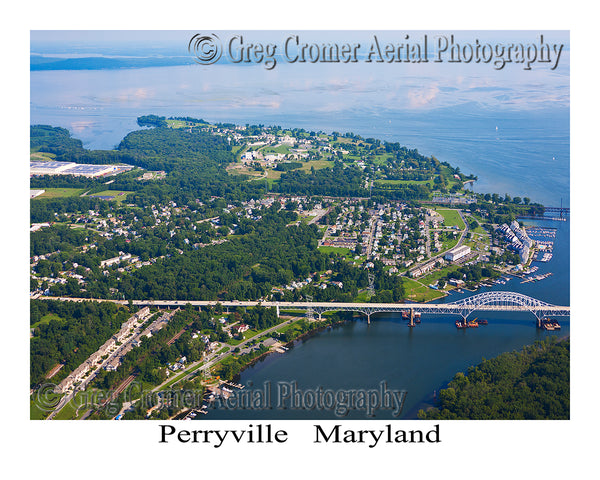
pixel 169 38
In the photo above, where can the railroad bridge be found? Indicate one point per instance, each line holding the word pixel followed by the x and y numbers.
pixel 560 210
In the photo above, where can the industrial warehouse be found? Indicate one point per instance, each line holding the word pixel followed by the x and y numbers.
pixel 76 169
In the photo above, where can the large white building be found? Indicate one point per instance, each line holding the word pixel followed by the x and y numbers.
pixel 35 193
pixel 457 253
pixel 70 168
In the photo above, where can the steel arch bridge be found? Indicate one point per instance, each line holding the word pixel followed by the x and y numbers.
pixel 497 301
pixel 507 301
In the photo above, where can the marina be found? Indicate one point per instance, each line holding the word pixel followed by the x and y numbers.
pixel 537 278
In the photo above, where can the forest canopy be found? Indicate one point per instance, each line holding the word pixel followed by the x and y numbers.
pixel 530 384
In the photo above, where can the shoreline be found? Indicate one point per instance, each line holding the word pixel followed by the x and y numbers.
pixel 288 345
pixel 428 402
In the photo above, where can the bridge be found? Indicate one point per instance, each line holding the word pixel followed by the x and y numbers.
pixel 497 301
pixel 561 210
pixel 549 213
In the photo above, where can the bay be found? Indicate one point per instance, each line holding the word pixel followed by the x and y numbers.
pixel 515 150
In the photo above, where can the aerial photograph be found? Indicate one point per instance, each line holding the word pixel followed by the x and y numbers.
pixel 263 225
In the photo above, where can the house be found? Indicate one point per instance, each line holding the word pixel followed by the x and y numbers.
pixel 240 328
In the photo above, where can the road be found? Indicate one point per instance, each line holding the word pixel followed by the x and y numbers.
pixel 461 239
pixel 212 361
pixel 316 306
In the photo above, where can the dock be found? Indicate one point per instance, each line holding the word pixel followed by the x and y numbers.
pixel 537 278
pixel 232 384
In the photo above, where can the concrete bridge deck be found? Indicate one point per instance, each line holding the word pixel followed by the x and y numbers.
pixel 498 301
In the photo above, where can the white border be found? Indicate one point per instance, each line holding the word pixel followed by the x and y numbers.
pixel 469 449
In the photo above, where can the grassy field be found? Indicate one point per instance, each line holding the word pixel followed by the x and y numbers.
pixel 60 192
pixel 237 150
pixel 247 171
pixel 307 218
pixel 339 250
pixel 285 149
pixel 449 243
pixel 41 156
pixel 35 413
pixel 381 159
pixel 318 164
pixel 68 412
pixel 118 195
pixel 47 319
pixel 291 326
pixel 415 292
pixel 176 123
pixel 480 230
pixel 274 174
pixel 451 217
pixel 435 276
pixel 362 297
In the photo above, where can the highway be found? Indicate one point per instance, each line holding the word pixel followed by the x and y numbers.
pixel 211 361
pixel 497 301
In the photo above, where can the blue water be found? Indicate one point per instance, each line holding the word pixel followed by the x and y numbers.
pixel 510 128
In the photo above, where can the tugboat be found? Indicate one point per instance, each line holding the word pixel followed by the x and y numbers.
pixel 548 324
pixel 417 317
pixel 460 324
pixel 556 325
